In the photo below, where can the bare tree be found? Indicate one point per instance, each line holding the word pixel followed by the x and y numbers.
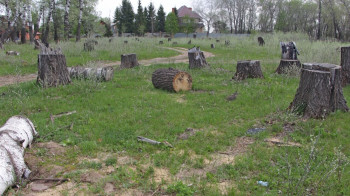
pixel 319 19
pixel 207 9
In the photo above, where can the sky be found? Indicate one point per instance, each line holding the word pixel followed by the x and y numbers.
pixel 106 8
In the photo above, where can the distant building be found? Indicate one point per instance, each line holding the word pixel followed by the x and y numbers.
pixel 184 11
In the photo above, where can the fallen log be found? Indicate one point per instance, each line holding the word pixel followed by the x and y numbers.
pixel 16 134
pixel 320 91
pixel 129 61
pixel 172 80
pixel 100 74
pixel 12 53
pixel 248 69
pixel 196 58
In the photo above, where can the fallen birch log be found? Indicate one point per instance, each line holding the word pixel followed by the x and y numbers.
pixel 15 135
pixel 101 74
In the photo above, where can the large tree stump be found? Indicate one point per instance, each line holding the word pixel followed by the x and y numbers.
pixel 172 80
pixel 196 58
pixel 52 68
pixel 320 91
pixel 15 135
pixel 288 66
pixel 100 74
pixel 248 69
pixel 129 61
pixel 345 65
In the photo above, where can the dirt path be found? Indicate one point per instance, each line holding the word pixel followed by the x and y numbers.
pixel 182 58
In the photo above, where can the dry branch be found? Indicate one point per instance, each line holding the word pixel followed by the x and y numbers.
pixel 53 117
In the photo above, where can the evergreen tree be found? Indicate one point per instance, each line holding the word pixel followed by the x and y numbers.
pixel 171 24
pixel 117 19
pixel 139 20
pixel 127 17
pixel 151 17
pixel 160 19
pixel 148 26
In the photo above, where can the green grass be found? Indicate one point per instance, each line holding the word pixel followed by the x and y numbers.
pixel 110 115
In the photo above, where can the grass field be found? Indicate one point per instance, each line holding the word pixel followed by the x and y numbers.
pixel 220 159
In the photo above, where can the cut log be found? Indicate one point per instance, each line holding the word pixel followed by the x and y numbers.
pixel 196 58
pixel 320 91
pixel 129 61
pixel 172 80
pixel 100 74
pixel 288 66
pixel 52 68
pixel 15 135
pixel 345 65
pixel 248 69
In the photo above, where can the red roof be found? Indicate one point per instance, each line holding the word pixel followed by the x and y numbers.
pixel 185 11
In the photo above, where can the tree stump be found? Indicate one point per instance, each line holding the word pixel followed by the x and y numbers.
pixel 261 41
pixel 289 50
pixel 189 42
pixel 320 91
pixel 174 43
pixel 345 65
pixel 227 42
pixel 172 80
pixel 169 39
pixel 100 74
pixel 161 42
pixel 52 68
pixel 217 41
pixel 125 42
pixel 89 46
pixel 248 69
pixel 212 46
pixel 196 58
pixel 288 66
pixel 129 61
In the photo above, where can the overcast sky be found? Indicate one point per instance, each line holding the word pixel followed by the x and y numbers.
pixel 106 8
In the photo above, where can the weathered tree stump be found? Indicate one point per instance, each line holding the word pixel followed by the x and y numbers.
pixel 212 46
pixel 169 39
pixel 345 65
pixel 129 61
pixel 172 80
pixel 52 68
pixel 217 41
pixel 189 42
pixel 100 74
pixel 110 40
pixel 194 36
pixel 288 66
pixel 89 46
pixel 320 91
pixel 161 42
pixel 125 42
pixel 196 58
pixel 248 69
pixel 227 42
pixel 261 41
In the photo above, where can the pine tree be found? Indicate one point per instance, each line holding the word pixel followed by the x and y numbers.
pixel 139 20
pixel 127 17
pixel 151 17
pixel 148 26
pixel 117 19
pixel 160 19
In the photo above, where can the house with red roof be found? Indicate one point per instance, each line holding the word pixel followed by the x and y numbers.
pixel 184 12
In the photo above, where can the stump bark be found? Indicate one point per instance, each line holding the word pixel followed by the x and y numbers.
pixel 52 68
pixel 320 91
pixel 288 66
pixel 172 80
pixel 289 50
pixel 196 58
pixel 100 74
pixel 129 61
pixel 345 65
pixel 248 69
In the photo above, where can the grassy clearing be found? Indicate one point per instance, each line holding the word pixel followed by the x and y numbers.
pixel 104 51
pixel 216 160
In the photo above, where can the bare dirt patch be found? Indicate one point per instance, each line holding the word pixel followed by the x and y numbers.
pixel 52 147
pixel 7 80
pixel 161 174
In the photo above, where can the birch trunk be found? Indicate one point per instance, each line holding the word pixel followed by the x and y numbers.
pixel 66 20
pixel 30 23
pixel 16 134
pixel 79 20
pixel 23 30
pixel 47 29
pixel 36 26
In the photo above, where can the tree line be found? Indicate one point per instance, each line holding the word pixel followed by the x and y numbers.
pixel 318 18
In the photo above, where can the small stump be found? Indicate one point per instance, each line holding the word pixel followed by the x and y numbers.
pixel 110 40
pixel 212 46
pixel 261 41
pixel 129 61
pixel 227 42
pixel 248 69
pixel 189 42
pixel 320 91
pixel 196 58
pixel 169 39
pixel 89 46
pixel 161 42
pixel 52 68
pixel 125 42
pixel 100 74
pixel 174 43
pixel 345 65
pixel 288 66
pixel 172 80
